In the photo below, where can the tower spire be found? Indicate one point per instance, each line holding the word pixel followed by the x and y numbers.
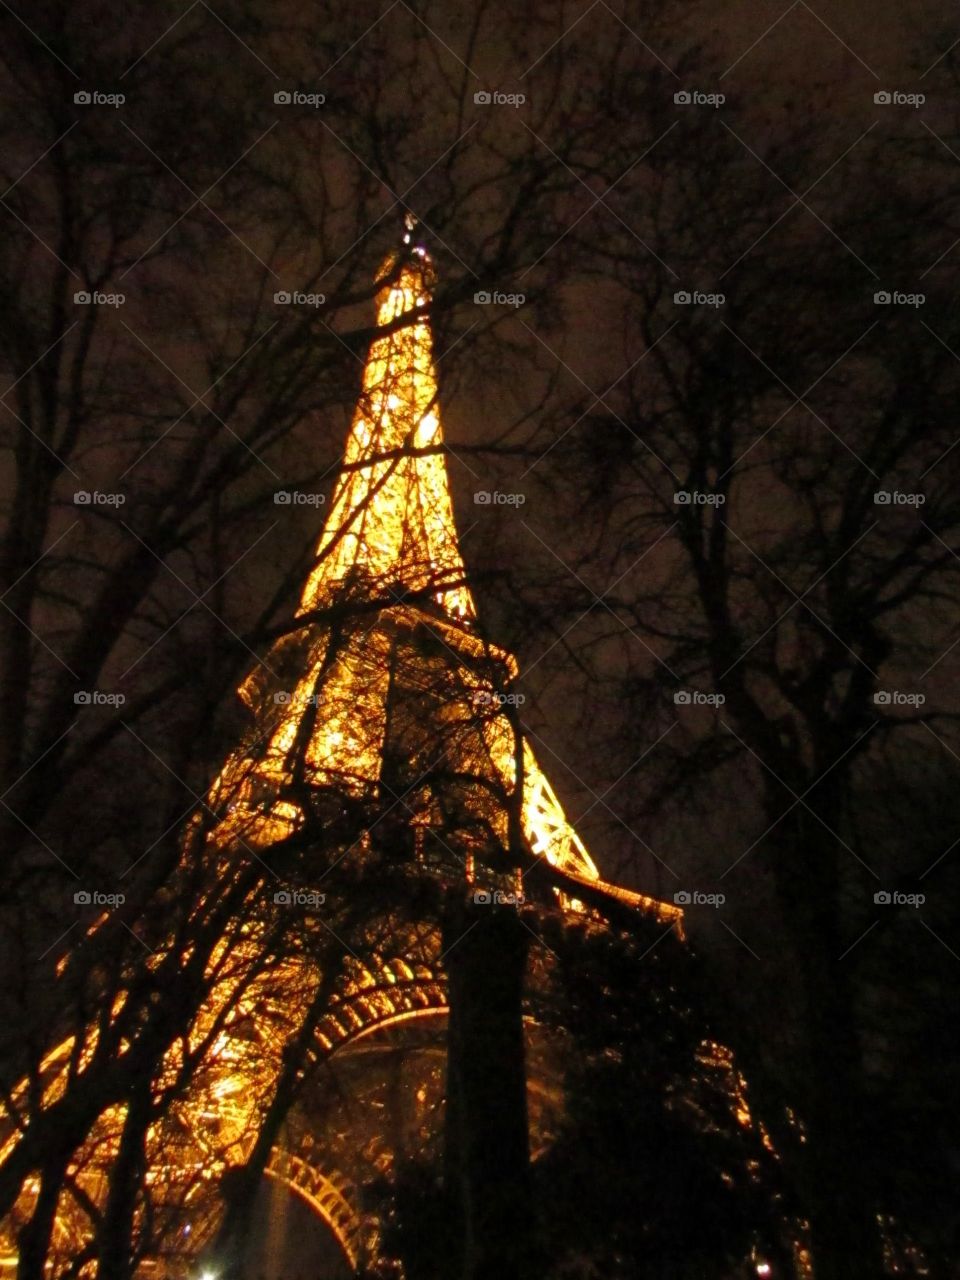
pixel 391 519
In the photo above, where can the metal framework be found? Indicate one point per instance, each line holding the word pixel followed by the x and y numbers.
pixel 328 1194
pixel 390 540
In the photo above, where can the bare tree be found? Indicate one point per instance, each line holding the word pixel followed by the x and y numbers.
pixel 770 488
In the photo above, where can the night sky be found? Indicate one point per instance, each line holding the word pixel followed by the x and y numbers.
pixel 721 242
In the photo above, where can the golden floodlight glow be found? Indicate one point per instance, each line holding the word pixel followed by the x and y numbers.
pixel 391 520
pixel 391 513
pixel 389 542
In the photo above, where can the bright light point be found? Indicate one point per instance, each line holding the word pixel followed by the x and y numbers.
pixel 207 1275
pixel 763 1268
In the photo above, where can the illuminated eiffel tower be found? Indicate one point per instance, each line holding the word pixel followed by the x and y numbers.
pixel 385 699
pixel 390 540
pixel 416 680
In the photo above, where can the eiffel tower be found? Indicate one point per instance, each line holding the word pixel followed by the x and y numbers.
pixel 384 714
pixel 390 541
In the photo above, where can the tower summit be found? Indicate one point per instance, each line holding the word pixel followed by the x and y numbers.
pixel 391 518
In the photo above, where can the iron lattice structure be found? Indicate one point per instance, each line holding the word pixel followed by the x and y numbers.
pixel 383 708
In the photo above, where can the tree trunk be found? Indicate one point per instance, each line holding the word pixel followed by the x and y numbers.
pixel 34 1237
pixel 839 1187
pixel 843 1208
pixel 116 1240
pixel 487 1135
